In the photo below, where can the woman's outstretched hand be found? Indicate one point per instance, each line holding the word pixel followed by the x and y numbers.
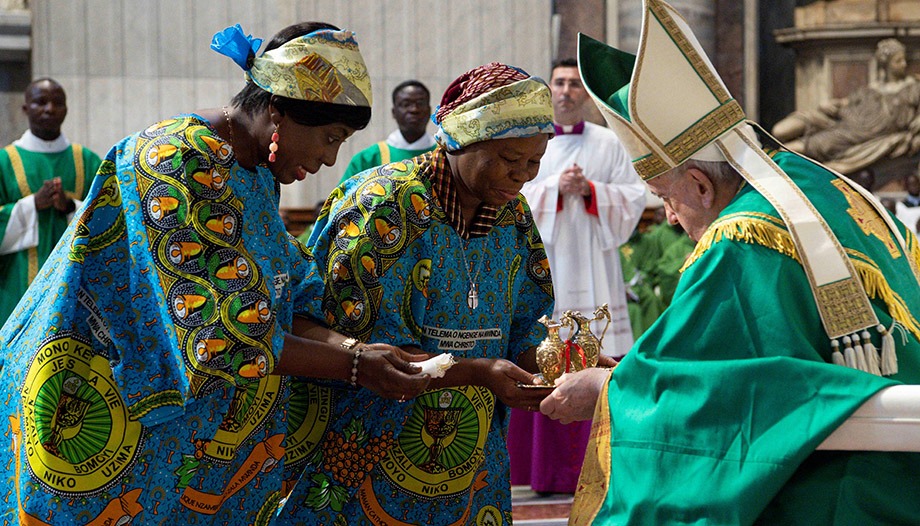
pixel 389 372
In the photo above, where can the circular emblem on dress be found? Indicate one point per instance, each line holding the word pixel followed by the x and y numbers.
pixel 489 516
pixel 208 182
pixel 387 229
pixel 211 347
pixel 349 224
pixel 230 270
pixel 165 155
pixel 165 207
pixel 221 221
pixel 522 219
pixel 374 191
pixel 418 206
pixel 184 251
pixel 190 304
pixel 309 412
pixel 538 267
pixel 441 446
pixel 219 152
pixel 251 313
pixel 79 437
pixel 251 405
pixel 368 263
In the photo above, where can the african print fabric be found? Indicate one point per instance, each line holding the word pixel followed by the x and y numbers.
pixel 323 66
pixel 134 373
pixel 394 272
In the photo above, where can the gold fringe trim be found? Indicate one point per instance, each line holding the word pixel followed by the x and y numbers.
pixel 767 231
pixel 914 248
pixel 877 288
pixel 759 229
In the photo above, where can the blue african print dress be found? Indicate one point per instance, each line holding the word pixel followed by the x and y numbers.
pixel 135 373
pixel 396 272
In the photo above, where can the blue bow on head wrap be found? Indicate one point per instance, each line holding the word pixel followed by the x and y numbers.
pixel 236 44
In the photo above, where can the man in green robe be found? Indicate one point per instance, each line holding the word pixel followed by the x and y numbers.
pixel 43 179
pixel 670 264
pixel 411 110
pixel 643 305
pixel 772 339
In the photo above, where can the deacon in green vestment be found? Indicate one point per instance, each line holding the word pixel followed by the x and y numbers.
pixel 798 280
pixel 43 178
pixel 643 305
pixel 671 262
pixel 411 109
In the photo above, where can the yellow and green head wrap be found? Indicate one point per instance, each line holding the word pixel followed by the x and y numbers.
pixel 494 101
pixel 322 66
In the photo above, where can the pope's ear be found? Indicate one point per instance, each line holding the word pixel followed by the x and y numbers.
pixel 702 187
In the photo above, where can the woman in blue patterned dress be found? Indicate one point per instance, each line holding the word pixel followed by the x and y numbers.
pixel 142 374
pixel 438 254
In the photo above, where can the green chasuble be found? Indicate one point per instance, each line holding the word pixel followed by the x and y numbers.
pixel 715 413
pixel 22 173
pixel 376 155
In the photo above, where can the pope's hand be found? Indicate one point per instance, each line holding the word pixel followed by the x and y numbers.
pixel 575 395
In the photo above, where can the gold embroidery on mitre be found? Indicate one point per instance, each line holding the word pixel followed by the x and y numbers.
pixel 867 218
pixel 650 166
pixel 710 126
pixel 844 307
pixel 705 130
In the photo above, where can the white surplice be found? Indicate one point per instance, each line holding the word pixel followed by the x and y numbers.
pixel 582 247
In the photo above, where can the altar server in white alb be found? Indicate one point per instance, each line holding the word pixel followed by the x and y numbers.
pixel 586 200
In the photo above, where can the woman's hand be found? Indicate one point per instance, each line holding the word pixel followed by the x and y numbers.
pixel 502 378
pixel 388 371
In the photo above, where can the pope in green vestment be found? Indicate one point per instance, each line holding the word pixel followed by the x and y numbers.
pixel 22 173
pixel 798 278
pixel 714 414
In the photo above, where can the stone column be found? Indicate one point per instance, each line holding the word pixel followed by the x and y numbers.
pixel 700 14
pixel 15 67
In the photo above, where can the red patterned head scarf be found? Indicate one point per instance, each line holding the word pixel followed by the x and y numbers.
pixel 476 82
pixel 494 101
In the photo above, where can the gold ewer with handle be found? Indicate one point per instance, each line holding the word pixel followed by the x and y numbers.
pixel 550 357
pixel 584 348
pixel 580 350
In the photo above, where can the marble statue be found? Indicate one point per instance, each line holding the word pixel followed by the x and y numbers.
pixel 879 121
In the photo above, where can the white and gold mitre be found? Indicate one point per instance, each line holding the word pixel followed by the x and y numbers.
pixel 668 105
